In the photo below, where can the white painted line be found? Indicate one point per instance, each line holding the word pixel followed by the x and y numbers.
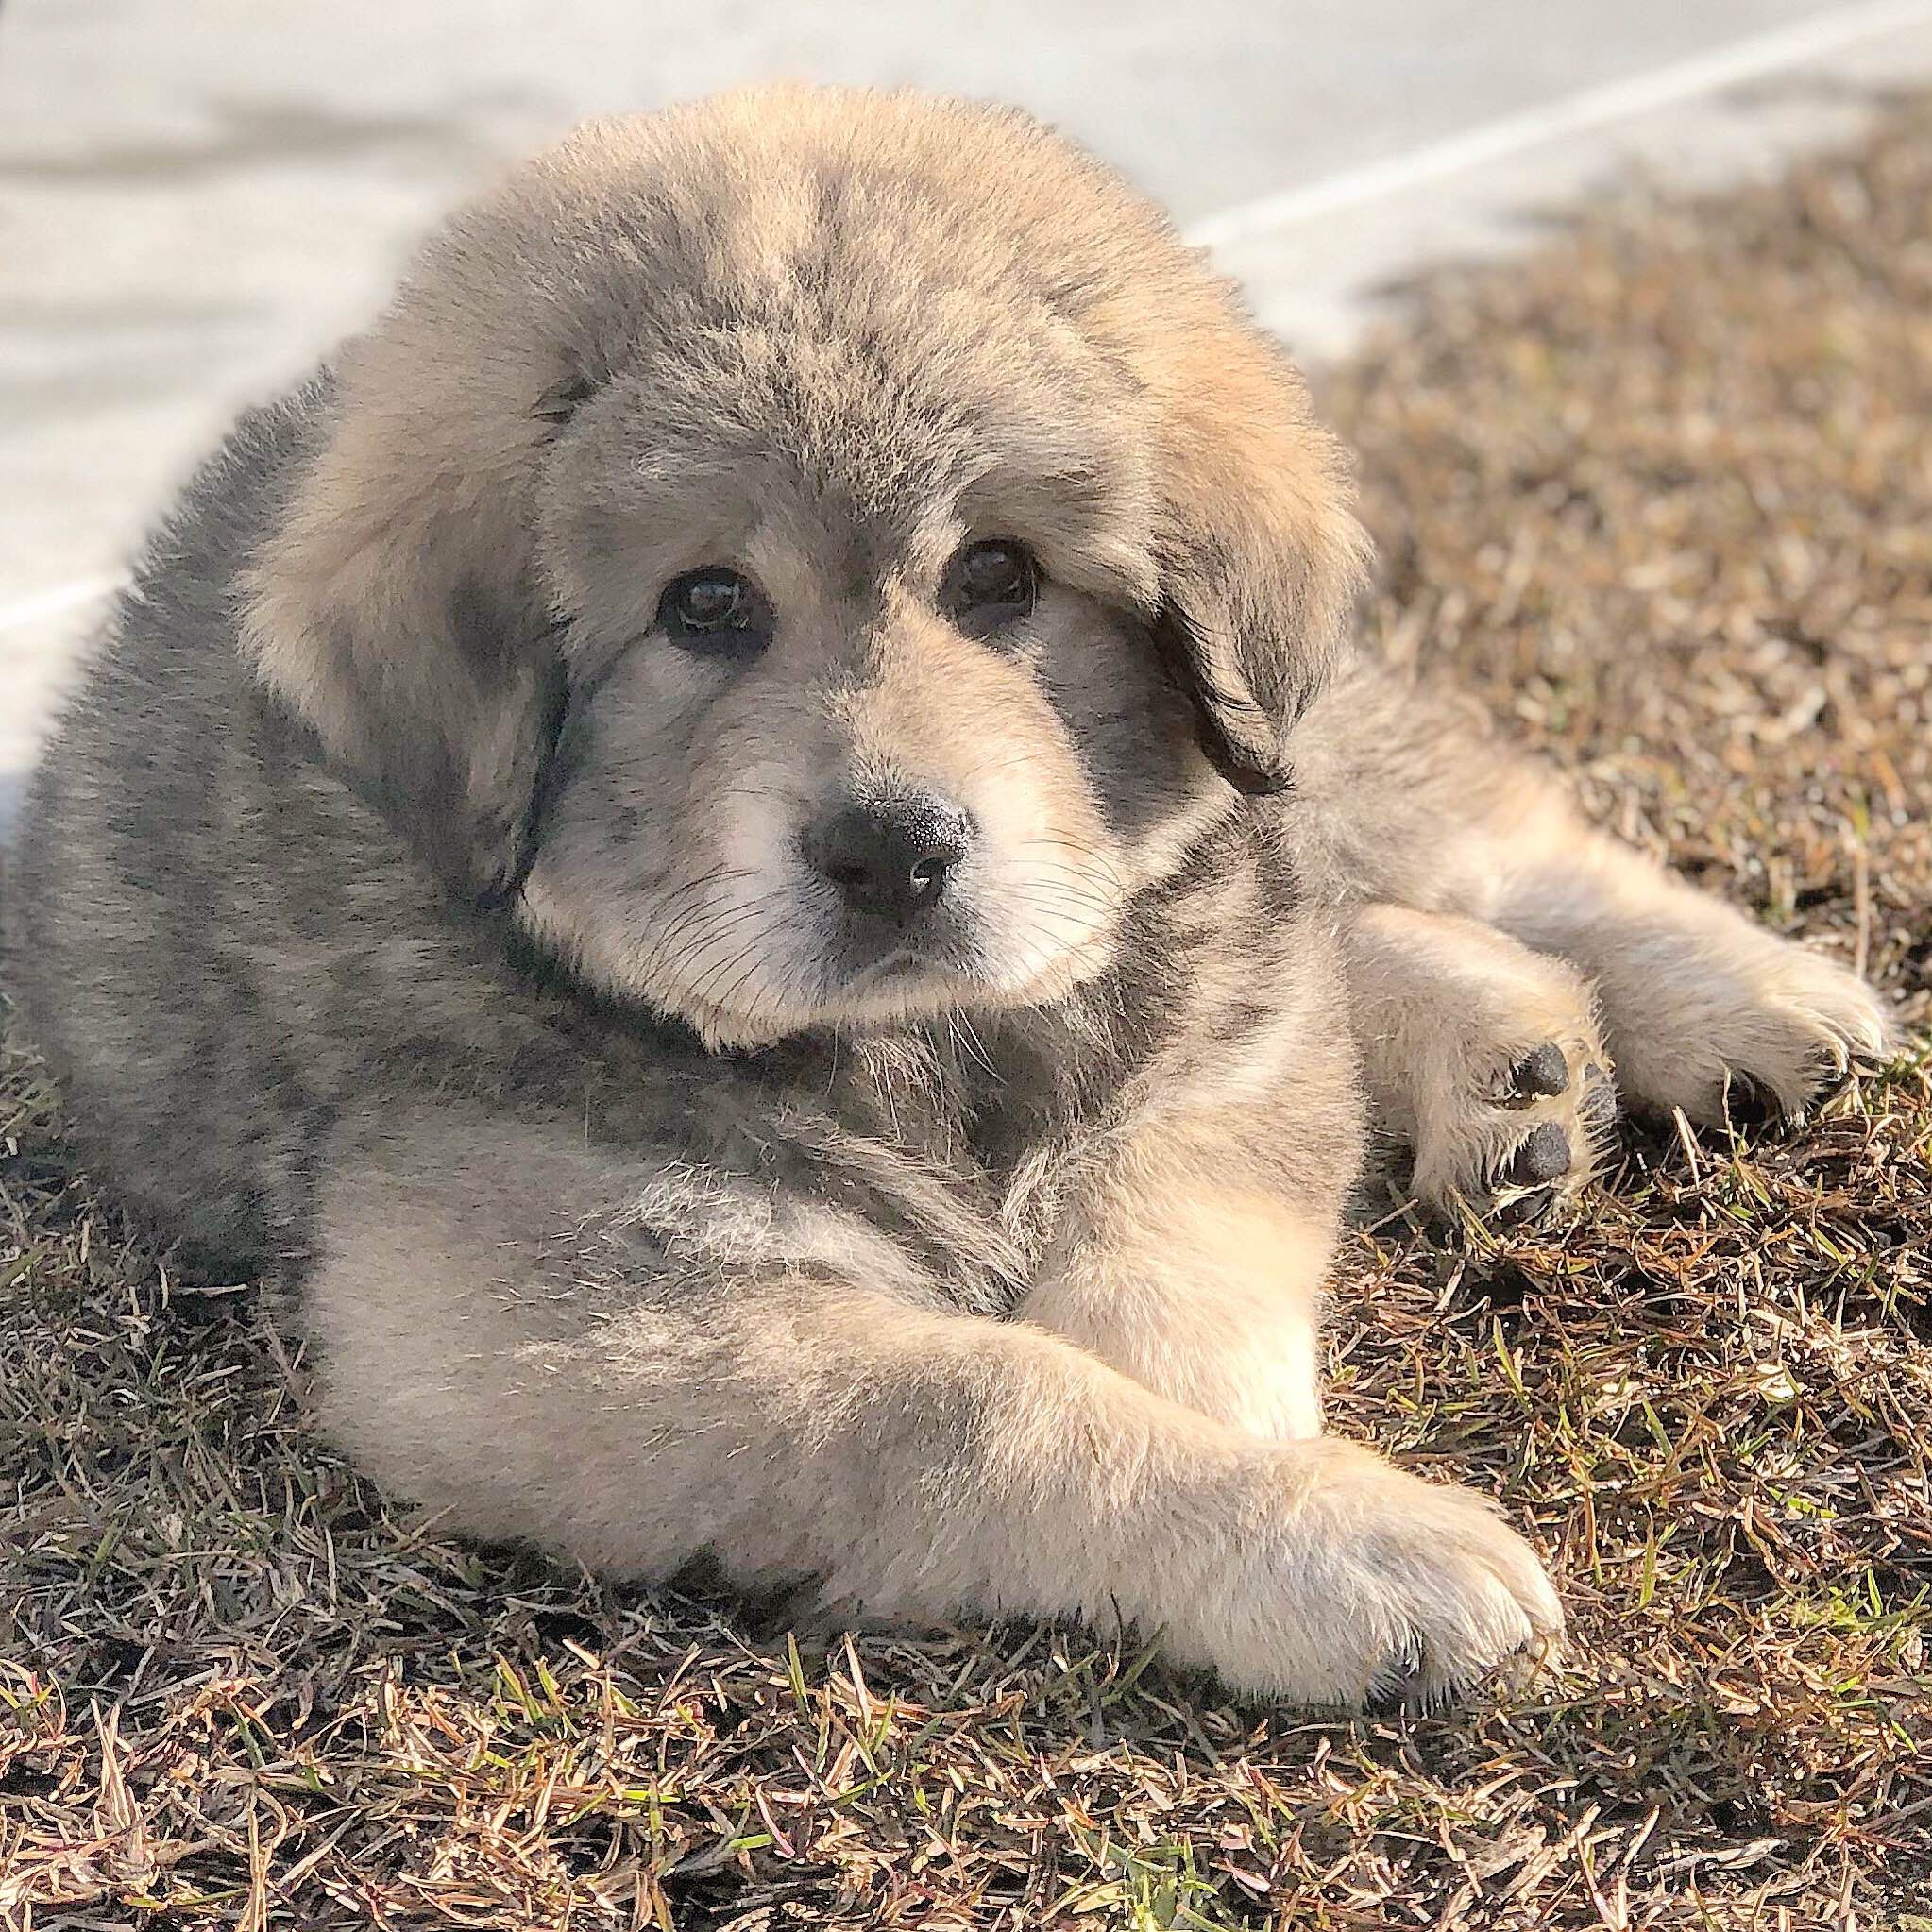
pixel 62 597
pixel 1724 67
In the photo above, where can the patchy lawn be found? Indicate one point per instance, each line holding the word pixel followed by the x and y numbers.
pixel 1663 496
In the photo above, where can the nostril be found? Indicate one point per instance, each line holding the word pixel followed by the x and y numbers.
pixel 928 877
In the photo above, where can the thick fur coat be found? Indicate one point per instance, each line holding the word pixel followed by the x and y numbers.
pixel 743 846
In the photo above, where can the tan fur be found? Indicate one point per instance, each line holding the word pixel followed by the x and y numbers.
pixel 1445 1007
pixel 1693 994
pixel 447 937
pixel 1134 430
pixel 1211 1299
pixel 911 1460
pixel 1178 475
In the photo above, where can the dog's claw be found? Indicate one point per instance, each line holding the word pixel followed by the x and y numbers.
pixel 1397 1684
pixel 1752 1105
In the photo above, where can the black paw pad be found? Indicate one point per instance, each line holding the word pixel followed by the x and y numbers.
pixel 1539 1074
pixel 1542 1158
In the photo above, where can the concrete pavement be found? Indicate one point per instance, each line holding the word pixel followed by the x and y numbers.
pixel 196 197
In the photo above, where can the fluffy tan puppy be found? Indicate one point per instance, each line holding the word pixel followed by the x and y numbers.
pixel 736 845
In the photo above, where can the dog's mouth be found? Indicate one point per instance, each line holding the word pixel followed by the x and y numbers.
pixel 901 963
pixel 866 968
pixel 825 969
pixel 862 951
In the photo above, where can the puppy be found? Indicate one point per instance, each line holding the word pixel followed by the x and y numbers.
pixel 695 843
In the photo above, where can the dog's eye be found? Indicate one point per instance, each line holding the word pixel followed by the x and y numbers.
pixel 988 585
pixel 713 609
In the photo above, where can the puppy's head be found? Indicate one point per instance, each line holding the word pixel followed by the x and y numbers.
pixel 815 556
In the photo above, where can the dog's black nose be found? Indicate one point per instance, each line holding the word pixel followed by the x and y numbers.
pixel 890 858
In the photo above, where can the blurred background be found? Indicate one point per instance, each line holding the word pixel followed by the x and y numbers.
pixel 196 197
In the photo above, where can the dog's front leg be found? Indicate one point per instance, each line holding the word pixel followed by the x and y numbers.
pixel 547 1341
pixel 1201 1211
pixel 1186 1267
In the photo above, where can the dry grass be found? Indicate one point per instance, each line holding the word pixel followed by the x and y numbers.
pixel 1665 494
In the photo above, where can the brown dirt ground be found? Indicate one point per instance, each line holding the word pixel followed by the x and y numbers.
pixel 1662 495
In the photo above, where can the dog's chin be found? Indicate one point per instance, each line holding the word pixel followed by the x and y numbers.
pixel 889 987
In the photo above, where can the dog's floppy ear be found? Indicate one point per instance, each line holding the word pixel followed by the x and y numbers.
pixel 1260 556
pixel 395 610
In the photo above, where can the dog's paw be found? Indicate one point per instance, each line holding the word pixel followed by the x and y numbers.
pixel 1482 1057
pixel 1515 1128
pixel 1468 1590
pixel 1754 1026
pixel 1380 1588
